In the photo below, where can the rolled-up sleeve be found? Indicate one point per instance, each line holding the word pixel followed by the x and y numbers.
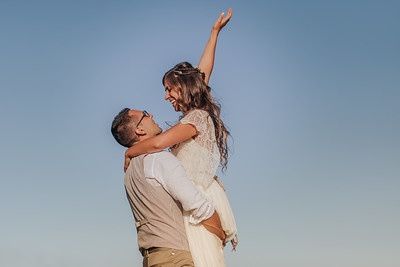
pixel 168 171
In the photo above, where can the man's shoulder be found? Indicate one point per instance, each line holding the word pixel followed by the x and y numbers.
pixel 161 161
pixel 160 156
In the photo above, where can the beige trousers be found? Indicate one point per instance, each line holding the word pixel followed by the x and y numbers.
pixel 168 257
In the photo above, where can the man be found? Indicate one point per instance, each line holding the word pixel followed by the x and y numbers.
pixel 158 190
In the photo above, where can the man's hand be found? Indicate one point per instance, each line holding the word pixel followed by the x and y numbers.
pixel 126 163
pixel 222 20
pixel 234 243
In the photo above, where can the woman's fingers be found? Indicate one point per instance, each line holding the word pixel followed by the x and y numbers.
pixel 221 16
pixel 223 19
pixel 226 18
pixel 229 14
pixel 218 22
pixel 126 163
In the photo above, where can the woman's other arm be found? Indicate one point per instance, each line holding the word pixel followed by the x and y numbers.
pixel 207 59
pixel 175 135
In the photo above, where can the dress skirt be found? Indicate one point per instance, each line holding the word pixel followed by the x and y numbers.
pixel 206 248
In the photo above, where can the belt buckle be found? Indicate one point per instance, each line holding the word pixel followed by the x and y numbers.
pixel 146 252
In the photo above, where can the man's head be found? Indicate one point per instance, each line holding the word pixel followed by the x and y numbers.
pixel 131 126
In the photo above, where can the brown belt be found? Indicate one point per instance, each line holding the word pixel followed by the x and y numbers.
pixel 146 252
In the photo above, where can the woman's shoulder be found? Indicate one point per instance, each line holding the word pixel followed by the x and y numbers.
pixel 196 112
pixel 196 117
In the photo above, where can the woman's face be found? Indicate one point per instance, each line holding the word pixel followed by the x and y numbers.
pixel 173 95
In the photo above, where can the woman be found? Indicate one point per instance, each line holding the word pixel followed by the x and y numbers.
pixel 199 141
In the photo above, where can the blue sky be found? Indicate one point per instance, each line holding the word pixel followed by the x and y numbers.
pixel 309 90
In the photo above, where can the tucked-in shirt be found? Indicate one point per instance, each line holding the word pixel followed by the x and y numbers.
pixel 164 169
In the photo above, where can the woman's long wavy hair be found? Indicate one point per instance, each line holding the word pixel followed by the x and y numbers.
pixel 196 94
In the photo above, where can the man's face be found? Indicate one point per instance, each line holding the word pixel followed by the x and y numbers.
pixel 147 124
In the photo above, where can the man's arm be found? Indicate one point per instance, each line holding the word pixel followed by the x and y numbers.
pixel 206 63
pixel 167 170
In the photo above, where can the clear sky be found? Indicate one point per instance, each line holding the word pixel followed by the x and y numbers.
pixel 310 91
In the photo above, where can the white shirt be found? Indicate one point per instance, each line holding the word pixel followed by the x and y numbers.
pixel 164 169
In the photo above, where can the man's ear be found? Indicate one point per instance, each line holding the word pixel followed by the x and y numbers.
pixel 139 131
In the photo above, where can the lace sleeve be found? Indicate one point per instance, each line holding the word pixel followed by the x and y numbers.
pixel 197 118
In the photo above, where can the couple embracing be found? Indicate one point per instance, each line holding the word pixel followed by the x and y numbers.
pixel 182 214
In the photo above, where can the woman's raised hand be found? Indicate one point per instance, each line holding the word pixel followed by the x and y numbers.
pixel 222 20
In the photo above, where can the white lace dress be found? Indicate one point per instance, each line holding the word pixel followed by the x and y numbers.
pixel 200 157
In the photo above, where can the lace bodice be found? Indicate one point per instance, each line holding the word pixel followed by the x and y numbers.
pixel 200 155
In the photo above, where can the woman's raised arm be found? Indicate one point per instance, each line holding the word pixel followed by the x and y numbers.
pixel 206 63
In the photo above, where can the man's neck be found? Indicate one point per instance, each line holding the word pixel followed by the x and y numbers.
pixel 143 137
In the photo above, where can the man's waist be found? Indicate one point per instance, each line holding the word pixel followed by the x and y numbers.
pixel 147 241
pixel 146 252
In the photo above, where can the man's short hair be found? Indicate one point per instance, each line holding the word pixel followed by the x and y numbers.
pixel 123 128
